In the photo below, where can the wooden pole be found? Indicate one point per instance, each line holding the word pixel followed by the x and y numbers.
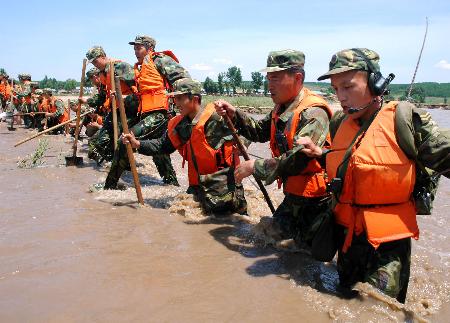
pixel 246 157
pixel 408 97
pixel 114 104
pixel 123 119
pixel 50 129
pixel 77 127
pixel 67 125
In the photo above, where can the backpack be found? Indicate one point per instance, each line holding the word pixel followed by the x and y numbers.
pixel 427 180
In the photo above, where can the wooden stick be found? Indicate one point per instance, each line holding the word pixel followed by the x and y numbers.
pixel 123 119
pixel 28 113
pixel 114 104
pixel 52 128
pixel 77 125
pixel 246 157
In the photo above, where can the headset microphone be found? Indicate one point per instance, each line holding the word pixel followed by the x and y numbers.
pixel 354 110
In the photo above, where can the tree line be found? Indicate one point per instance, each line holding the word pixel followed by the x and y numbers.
pixel 228 82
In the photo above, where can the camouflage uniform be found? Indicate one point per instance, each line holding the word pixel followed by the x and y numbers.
pixel 216 133
pixel 387 267
pixel 102 146
pixel 24 95
pixel 59 105
pixel 151 124
pixel 296 215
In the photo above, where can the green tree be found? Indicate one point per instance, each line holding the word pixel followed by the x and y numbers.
pixel 210 86
pixel 234 77
pixel 417 95
pixel 266 86
pixel 220 82
pixel 257 80
pixel 70 84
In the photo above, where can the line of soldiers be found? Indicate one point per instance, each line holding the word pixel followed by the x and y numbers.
pixel 334 168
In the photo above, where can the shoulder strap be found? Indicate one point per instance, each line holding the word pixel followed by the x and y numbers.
pixel 194 160
pixel 342 168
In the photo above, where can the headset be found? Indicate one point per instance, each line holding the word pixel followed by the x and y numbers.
pixel 378 84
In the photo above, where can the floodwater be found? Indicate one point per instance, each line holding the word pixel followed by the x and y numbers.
pixel 69 255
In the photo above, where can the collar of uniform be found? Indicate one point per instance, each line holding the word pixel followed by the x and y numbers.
pixel 197 116
pixel 290 109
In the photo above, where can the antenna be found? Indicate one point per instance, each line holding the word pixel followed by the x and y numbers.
pixel 408 97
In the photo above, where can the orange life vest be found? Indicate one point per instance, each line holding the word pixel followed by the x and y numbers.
pixel 52 109
pixel 105 79
pixel 151 84
pixel 376 195
pixel 43 106
pixel 208 159
pixel 311 181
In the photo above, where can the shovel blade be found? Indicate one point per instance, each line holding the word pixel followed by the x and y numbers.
pixel 74 161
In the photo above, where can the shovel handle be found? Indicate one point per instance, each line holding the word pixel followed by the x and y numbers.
pixel 77 127
pixel 123 119
pixel 247 157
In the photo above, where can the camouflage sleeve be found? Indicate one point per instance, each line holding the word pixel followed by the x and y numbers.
pixel 97 100
pixel 59 108
pixel 314 123
pixel 125 73
pixel 26 90
pixel 169 68
pixel 217 132
pixel 157 146
pixel 254 130
pixel 432 142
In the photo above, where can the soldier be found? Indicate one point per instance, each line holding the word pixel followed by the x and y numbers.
pixel 5 89
pixel 100 145
pixel 204 140
pixel 154 73
pixel 39 105
pixel 102 148
pixel 23 92
pixel 298 112
pixel 376 146
pixel 56 111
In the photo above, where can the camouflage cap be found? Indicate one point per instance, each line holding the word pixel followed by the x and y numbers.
pixel 34 85
pixel 95 52
pixel 24 76
pixel 143 40
pixel 186 85
pixel 284 59
pixel 48 91
pixel 39 92
pixel 73 102
pixel 93 71
pixel 352 59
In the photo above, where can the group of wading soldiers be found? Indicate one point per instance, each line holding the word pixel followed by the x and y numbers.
pixel 39 108
pixel 350 178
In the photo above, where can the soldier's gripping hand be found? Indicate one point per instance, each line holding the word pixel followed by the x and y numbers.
pixel 243 170
pixel 310 148
pixel 130 139
pixel 223 107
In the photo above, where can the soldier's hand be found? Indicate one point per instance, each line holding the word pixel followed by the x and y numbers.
pixel 130 139
pixel 82 101
pixel 310 149
pixel 223 107
pixel 244 170
pixel 49 115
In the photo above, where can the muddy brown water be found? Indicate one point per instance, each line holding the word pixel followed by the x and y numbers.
pixel 68 255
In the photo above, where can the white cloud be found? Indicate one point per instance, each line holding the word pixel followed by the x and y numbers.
pixel 223 61
pixel 443 64
pixel 201 67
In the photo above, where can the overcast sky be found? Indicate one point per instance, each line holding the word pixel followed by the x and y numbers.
pixel 52 37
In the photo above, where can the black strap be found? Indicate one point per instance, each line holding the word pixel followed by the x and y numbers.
pixel 342 168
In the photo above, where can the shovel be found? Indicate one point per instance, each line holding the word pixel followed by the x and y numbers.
pixel 75 160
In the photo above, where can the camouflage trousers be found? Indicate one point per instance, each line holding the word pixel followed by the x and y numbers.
pixel 298 218
pixel 151 126
pixel 386 268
